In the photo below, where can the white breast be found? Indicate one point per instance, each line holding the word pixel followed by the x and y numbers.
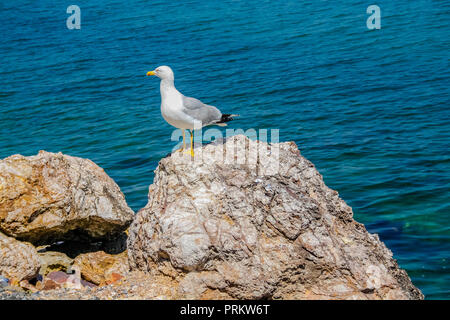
pixel 172 109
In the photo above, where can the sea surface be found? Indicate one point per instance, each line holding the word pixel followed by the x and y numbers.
pixel 370 108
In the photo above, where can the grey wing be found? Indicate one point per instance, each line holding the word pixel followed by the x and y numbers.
pixel 198 110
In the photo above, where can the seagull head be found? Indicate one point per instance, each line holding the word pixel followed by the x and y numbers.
pixel 162 72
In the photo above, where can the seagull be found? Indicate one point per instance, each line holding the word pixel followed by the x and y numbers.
pixel 183 112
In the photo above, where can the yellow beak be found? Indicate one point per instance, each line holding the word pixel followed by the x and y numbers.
pixel 151 73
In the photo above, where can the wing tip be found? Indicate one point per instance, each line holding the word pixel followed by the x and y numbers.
pixel 227 117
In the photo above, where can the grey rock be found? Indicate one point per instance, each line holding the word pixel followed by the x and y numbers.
pixel 4 282
pixel 249 220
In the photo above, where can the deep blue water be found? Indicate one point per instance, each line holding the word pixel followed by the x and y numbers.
pixel 370 108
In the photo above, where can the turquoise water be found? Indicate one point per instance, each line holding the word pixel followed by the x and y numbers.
pixel 369 108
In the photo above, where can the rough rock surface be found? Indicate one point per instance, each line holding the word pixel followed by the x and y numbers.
pixel 259 226
pixel 135 285
pixel 101 268
pixel 18 260
pixel 54 261
pixel 50 196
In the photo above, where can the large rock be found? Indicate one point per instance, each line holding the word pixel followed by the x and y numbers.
pixel 18 260
pixel 256 225
pixel 50 196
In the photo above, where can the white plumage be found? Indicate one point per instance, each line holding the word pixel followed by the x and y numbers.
pixel 185 112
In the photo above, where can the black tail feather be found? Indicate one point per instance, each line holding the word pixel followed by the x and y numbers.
pixel 227 117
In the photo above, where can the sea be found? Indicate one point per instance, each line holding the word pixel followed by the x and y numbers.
pixel 364 96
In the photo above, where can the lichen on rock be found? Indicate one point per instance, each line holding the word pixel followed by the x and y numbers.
pixel 53 261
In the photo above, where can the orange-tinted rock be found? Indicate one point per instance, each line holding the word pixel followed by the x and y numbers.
pixel 113 277
pixel 49 197
pixel 49 284
pixel 101 268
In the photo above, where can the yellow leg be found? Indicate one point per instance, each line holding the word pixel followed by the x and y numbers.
pixel 192 142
